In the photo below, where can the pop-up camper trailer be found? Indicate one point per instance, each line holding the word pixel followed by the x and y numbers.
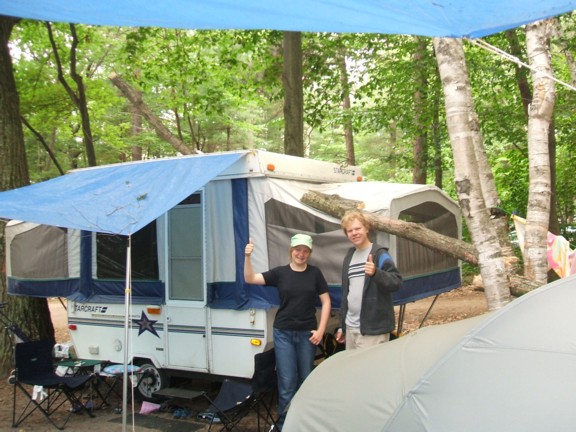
pixel 189 308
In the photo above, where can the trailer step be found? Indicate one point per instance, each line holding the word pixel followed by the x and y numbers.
pixel 179 393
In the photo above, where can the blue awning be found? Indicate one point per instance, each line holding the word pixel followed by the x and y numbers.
pixel 443 18
pixel 117 199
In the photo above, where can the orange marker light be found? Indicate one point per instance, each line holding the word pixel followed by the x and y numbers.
pixel 256 342
pixel 153 310
pixel 270 167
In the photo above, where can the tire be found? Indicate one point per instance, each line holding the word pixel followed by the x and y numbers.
pixel 153 380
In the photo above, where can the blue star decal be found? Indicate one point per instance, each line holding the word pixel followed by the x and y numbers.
pixel 145 324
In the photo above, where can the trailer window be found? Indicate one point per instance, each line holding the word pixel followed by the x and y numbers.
pixel 185 234
pixel 111 255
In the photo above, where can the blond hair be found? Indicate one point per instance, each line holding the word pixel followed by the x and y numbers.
pixel 352 215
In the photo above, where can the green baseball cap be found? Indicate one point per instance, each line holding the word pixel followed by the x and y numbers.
pixel 301 240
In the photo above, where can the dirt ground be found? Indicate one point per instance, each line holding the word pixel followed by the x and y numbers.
pixel 458 304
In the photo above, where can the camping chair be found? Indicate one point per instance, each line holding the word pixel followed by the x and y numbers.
pixel 34 367
pixel 237 398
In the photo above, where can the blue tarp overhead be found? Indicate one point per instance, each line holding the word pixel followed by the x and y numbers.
pixel 444 18
pixel 117 199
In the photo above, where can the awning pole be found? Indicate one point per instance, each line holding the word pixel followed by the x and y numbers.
pixel 127 302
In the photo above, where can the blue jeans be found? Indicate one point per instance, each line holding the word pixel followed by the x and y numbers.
pixel 294 362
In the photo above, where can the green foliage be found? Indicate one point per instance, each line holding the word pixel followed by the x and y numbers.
pixel 222 90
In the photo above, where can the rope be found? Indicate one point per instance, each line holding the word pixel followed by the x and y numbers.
pixel 490 48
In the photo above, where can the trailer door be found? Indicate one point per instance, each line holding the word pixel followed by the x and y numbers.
pixel 186 316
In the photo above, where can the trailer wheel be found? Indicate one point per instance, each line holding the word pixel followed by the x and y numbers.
pixel 154 379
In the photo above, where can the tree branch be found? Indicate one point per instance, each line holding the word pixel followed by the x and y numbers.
pixel 140 106
pixel 336 206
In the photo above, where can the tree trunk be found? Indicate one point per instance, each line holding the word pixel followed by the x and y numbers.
pixel 553 220
pixel 78 97
pixel 459 112
pixel 520 72
pixel 526 97
pixel 140 106
pixel 293 95
pixel 540 115
pixel 135 131
pixel 498 217
pixel 563 42
pixel 346 108
pixel 420 143
pixel 438 166
pixel 31 314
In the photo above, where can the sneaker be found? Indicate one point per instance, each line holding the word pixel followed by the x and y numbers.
pixel 209 417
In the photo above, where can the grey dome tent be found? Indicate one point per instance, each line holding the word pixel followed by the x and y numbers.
pixel 509 370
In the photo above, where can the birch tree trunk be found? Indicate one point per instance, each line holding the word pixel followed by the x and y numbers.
pixel 460 116
pixel 540 115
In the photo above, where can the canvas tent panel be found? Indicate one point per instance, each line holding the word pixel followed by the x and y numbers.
pixel 28 250
pixel 236 294
pixel 219 230
pixel 409 252
pixel 442 18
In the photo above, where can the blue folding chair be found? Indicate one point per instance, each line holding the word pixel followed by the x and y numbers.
pixel 35 367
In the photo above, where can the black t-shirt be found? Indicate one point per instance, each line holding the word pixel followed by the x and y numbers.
pixel 299 293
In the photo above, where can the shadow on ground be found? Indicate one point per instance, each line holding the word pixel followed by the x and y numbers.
pixel 151 421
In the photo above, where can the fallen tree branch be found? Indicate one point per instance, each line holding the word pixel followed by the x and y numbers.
pixel 336 206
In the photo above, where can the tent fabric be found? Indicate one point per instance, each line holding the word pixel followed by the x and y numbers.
pixel 443 18
pixel 512 369
pixel 118 199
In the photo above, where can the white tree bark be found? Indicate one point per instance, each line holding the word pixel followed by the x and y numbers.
pixel 460 114
pixel 540 115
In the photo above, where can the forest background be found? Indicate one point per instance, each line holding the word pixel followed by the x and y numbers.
pixel 91 95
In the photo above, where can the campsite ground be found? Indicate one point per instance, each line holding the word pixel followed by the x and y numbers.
pixel 458 304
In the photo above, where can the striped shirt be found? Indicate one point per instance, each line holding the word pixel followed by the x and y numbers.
pixel 356 276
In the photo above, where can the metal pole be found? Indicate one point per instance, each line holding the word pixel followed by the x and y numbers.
pixel 127 302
